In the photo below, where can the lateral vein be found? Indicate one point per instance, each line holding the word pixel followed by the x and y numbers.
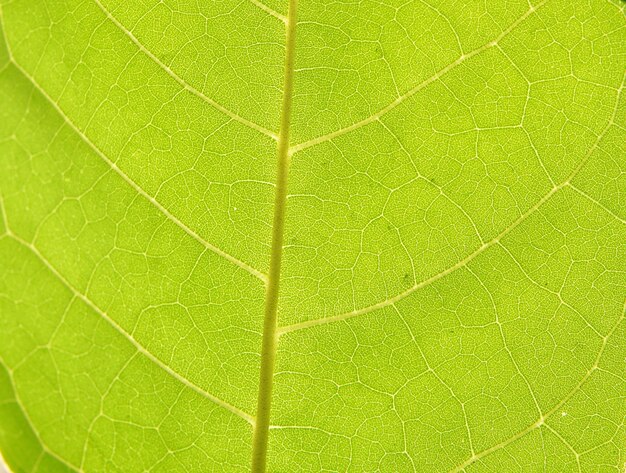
pixel 376 116
pixel 542 420
pixel 245 266
pixel 496 240
pixel 138 346
pixel 272 12
pixel 181 81
pixel 20 404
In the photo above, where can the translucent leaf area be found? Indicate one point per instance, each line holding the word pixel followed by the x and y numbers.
pixel 445 256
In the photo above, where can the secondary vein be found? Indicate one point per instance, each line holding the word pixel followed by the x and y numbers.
pixel 150 198
pixel 229 113
pixel 481 249
pixel 138 346
pixel 410 93
pixel 267 9
pixel 270 338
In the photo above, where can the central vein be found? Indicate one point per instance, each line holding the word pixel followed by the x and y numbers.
pixel 270 338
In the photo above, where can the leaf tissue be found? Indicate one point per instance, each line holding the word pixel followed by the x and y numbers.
pixel 312 236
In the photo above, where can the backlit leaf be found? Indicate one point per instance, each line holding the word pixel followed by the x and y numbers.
pixel 407 219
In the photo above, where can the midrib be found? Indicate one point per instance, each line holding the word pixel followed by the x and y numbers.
pixel 270 339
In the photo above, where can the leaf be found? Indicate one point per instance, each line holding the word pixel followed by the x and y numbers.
pixel 449 235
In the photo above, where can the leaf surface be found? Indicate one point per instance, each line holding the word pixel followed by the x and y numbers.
pixel 441 236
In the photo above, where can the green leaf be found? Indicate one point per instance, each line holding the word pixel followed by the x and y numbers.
pixel 361 236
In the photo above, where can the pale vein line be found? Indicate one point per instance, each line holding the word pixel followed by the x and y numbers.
pixel 562 302
pixel 182 82
pixel 594 201
pixel 417 88
pixel 567 444
pixel 258 274
pixel 20 404
pixel 3 215
pixel 432 371
pixel 139 347
pixel 437 186
pixel 505 345
pixel 539 422
pixel 101 414
pixel 4 465
pixel 272 12
pixel 393 300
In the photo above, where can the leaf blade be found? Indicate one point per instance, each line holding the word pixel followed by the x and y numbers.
pixel 452 294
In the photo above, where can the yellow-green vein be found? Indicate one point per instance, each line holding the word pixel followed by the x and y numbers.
pixel 270 339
